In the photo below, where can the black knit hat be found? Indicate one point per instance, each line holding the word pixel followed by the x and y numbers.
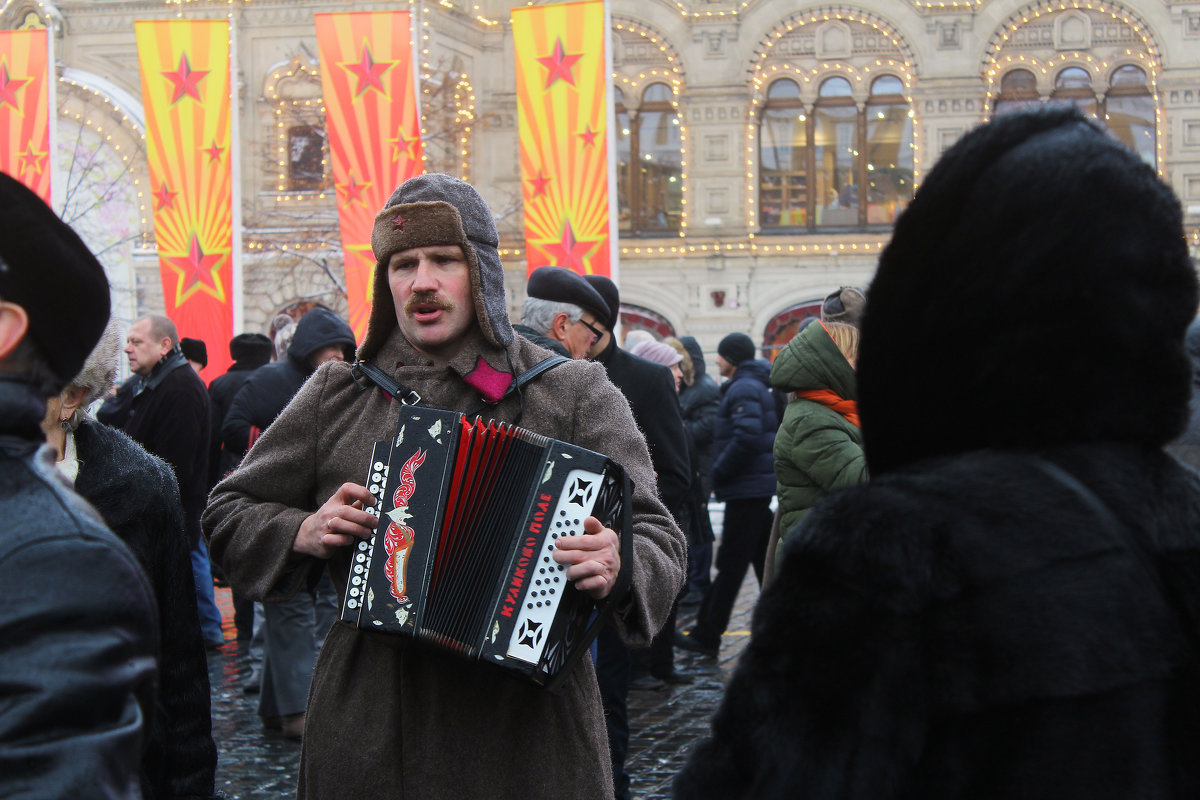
pixel 561 285
pixel 47 269
pixel 736 348
pixel 194 350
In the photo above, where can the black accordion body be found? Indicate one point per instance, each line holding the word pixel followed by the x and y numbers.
pixel 469 514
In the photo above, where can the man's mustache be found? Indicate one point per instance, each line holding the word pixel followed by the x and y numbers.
pixel 428 299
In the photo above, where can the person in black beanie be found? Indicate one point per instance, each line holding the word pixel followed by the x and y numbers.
pixel 1008 608
pixel 650 390
pixel 743 477
pixel 80 632
pixel 195 351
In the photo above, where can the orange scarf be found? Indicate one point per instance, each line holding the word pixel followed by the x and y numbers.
pixel 828 398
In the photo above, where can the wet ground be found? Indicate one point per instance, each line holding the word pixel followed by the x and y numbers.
pixel 663 723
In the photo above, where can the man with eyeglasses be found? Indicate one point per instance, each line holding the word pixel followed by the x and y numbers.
pixel 560 312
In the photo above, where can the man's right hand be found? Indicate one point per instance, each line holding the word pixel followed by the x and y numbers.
pixel 338 523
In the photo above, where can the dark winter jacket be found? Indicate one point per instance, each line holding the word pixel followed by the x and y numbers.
pixel 78 630
pixel 269 389
pixel 1186 448
pixel 249 356
pixel 699 403
pixel 541 340
pixel 650 390
pixel 744 434
pixel 817 449
pixel 170 415
pixel 136 495
pixel 1009 608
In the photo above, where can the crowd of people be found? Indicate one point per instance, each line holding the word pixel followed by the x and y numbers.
pixel 977 559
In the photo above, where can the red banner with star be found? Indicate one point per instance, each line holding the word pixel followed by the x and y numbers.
pixel 25 109
pixel 374 130
pixel 186 93
pixel 562 119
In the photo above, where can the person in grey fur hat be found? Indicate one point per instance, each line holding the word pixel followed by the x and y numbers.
pixel 392 717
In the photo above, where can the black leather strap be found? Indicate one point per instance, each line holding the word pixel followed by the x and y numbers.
pixel 364 370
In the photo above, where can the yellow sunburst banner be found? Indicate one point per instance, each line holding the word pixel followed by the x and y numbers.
pixel 562 118
pixel 186 93
pixel 25 109
pixel 374 130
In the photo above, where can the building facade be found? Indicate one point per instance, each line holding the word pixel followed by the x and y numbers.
pixel 763 149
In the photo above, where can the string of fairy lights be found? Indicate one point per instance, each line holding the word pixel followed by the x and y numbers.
pixel 766 67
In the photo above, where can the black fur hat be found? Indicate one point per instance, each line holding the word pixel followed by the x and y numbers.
pixel 1036 291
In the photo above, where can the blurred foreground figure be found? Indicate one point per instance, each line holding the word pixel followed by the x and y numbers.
pixel 1007 609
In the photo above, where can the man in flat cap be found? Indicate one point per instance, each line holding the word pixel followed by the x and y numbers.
pixel 390 717
pixel 78 630
pixel 561 312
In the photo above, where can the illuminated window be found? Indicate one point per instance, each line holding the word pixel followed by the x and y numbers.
pixel 306 158
pixel 1126 109
pixel 649 163
pixel 836 165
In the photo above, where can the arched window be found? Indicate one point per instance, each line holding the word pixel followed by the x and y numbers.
pixel 1129 110
pixel 837 166
pixel 1074 85
pixel 650 163
pixel 1018 89
pixel 1126 109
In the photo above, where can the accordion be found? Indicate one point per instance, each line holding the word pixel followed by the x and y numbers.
pixel 469 513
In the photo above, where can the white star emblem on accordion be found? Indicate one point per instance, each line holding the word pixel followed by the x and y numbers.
pixel 399 515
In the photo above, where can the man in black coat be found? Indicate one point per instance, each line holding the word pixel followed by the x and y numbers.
pixel 650 390
pixel 78 630
pixel 249 351
pixel 1008 609
pixel 292 629
pixel 170 415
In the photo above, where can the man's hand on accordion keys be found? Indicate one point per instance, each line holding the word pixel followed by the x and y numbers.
pixel 593 559
pixel 340 522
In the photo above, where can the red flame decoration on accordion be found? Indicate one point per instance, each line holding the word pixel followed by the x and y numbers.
pixel 398 540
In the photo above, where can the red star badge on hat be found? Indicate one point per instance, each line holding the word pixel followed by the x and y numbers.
pixel 185 80
pixel 369 72
pixel 558 65
pixel 398 223
pixel 197 271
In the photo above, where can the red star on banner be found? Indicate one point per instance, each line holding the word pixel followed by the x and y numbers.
pixel 559 64
pixel 214 152
pixel 369 72
pixel 9 87
pixel 186 80
pixel 352 191
pixel 165 198
pixel 197 271
pixel 33 159
pixel 570 252
pixel 402 146
pixel 588 136
pixel 539 184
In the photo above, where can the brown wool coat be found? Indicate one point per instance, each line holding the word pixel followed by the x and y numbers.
pixel 386 722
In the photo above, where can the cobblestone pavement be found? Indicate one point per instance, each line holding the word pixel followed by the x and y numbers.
pixel 664 723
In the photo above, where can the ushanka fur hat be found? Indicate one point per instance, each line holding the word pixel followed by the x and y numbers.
pixel 438 209
pixel 1035 292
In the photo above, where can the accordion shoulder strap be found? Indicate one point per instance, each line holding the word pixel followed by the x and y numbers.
pixel 365 370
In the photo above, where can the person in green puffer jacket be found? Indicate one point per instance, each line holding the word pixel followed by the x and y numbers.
pixel 819 444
